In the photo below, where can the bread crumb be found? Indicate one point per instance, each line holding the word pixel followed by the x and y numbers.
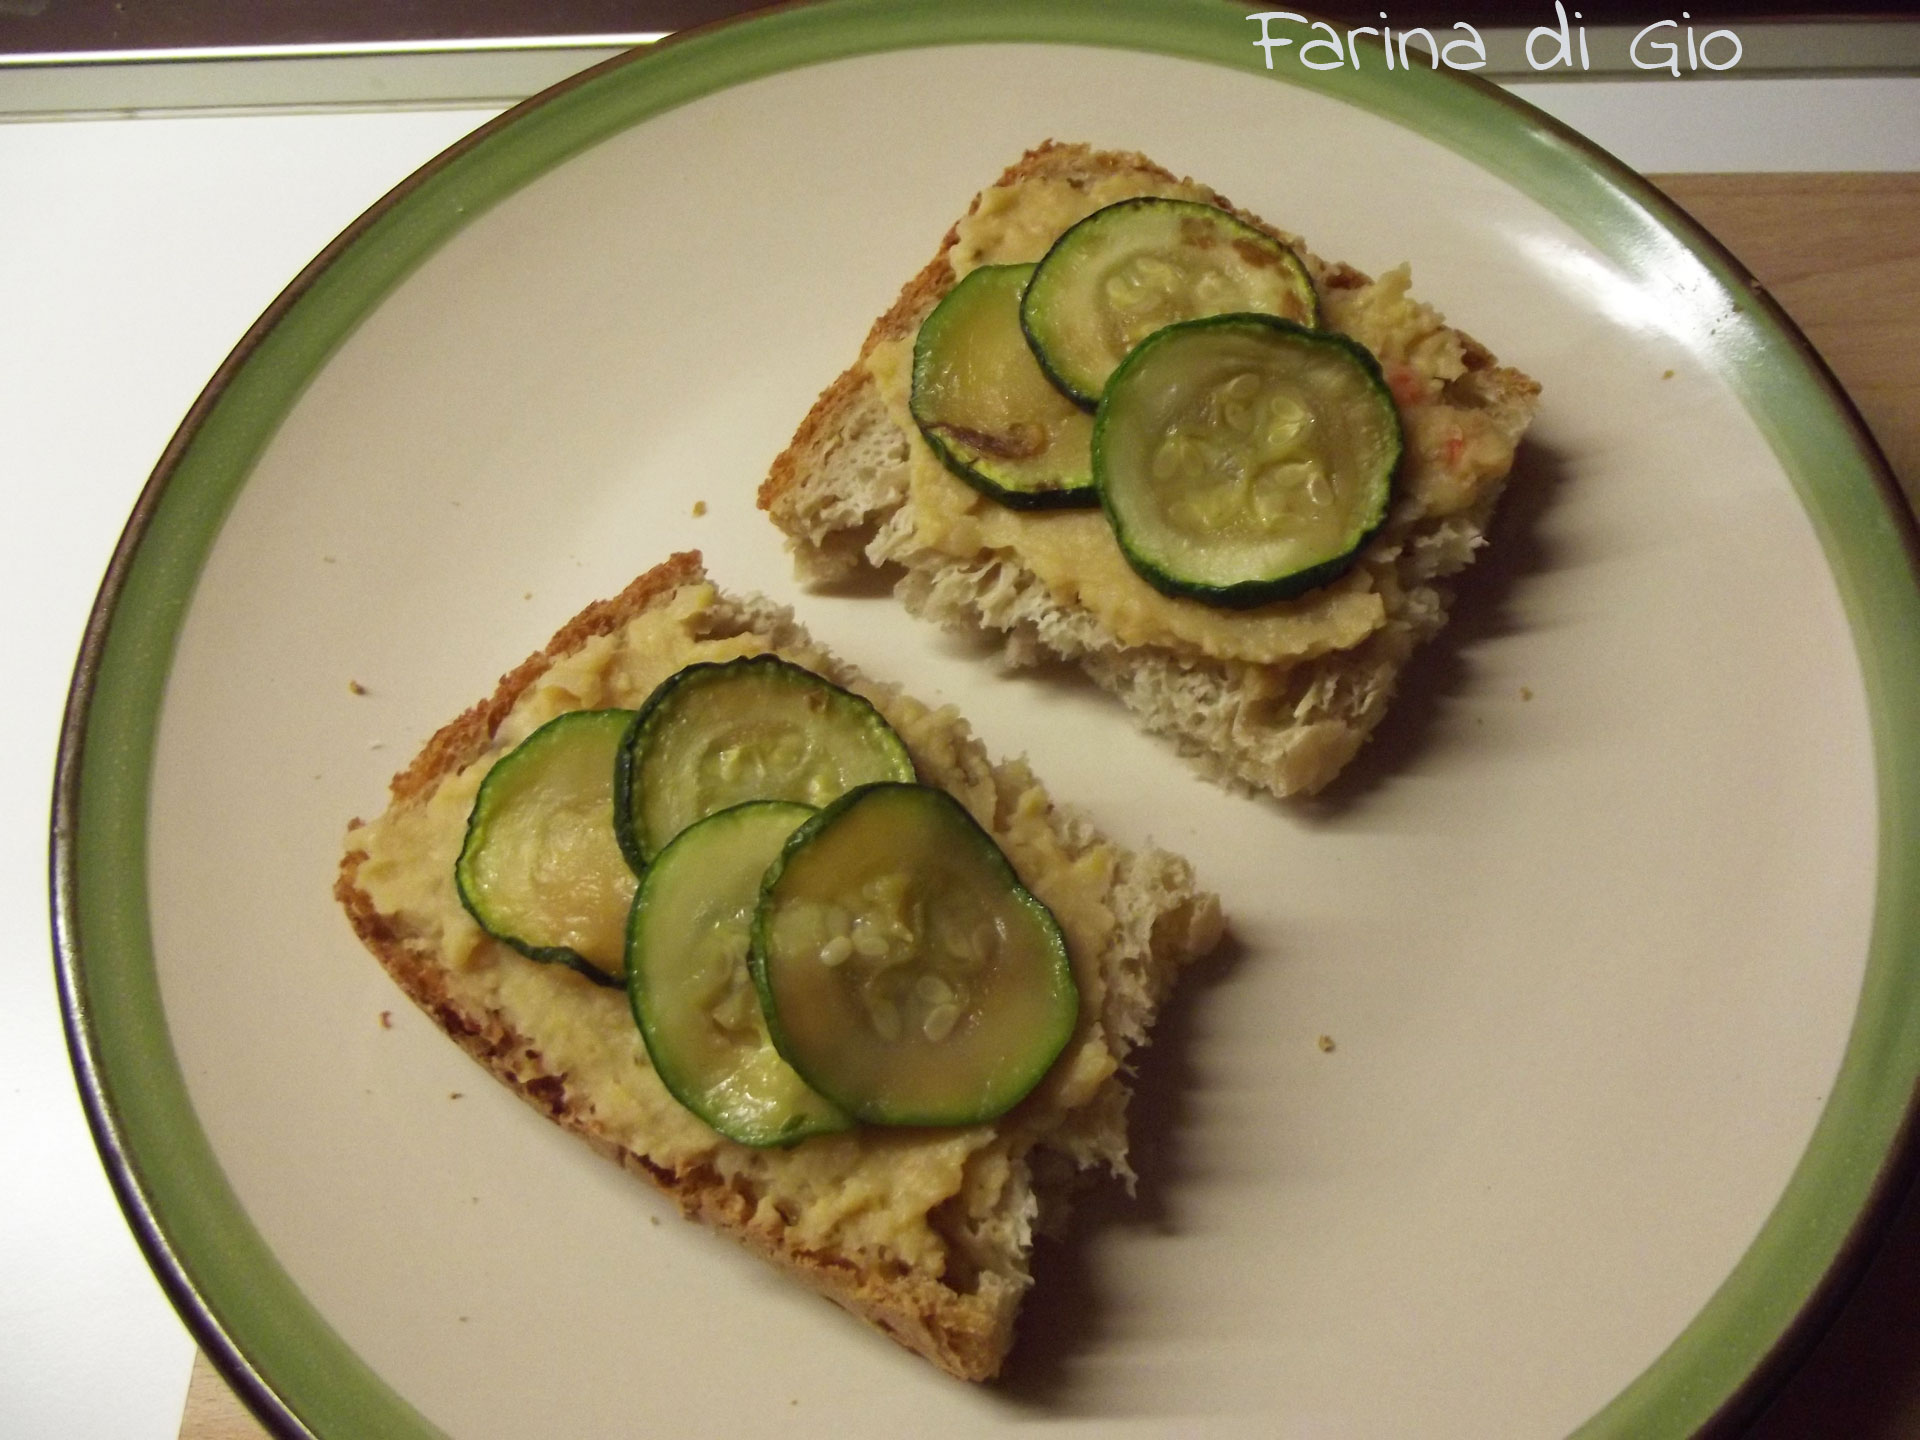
pixel 1667 376
pixel 653 1219
pixel 354 687
pixel 463 1319
pixel 1327 1046
pixel 455 1094
pixel 386 1019
pixel 699 508
pixel 527 596
pixel 1526 692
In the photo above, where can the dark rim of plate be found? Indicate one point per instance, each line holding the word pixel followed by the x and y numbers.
pixel 1733 1414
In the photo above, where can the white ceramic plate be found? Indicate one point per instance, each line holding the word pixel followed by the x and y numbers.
pixel 1588 924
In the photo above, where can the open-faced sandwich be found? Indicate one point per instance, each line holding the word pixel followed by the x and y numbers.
pixel 1118 422
pixel 785 942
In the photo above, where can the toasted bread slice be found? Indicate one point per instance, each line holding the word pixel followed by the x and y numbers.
pixel 1278 698
pixel 923 1233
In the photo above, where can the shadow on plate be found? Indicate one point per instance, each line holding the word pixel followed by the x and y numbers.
pixel 1861 1379
pixel 863 582
pixel 1065 1315
pixel 1483 609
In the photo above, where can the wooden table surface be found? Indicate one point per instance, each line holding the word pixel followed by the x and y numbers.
pixel 1842 254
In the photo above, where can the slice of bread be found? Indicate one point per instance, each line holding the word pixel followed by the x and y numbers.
pixel 924 1233
pixel 1277 698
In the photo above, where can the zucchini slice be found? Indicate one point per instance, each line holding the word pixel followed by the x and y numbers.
pixel 758 728
pixel 1140 265
pixel 689 985
pixel 541 867
pixel 985 406
pixel 904 970
pixel 1243 459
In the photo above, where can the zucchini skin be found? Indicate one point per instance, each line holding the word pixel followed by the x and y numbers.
pixel 560 955
pixel 544 954
pixel 1060 497
pixel 1066 386
pixel 625 780
pixel 655 1032
pixel 1078 497
pixel 554 955
pixel 1060 383
pixel 1248 594
pixel 626 766
pixel 865 1112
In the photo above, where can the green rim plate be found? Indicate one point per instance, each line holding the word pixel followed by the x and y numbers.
pixel 264 1334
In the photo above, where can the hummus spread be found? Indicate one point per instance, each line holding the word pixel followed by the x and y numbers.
pixel 864 1192
pixel 1455 458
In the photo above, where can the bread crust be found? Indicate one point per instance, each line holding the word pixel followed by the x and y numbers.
pixel 965 1334
pixel 1286 729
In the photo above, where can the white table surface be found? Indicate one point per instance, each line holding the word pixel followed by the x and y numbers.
pixel 133 254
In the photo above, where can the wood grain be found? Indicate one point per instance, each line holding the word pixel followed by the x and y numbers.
pixel 1841 253
pixel 212 1412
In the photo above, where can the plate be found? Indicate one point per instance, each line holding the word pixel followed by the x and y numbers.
pixel 1611 930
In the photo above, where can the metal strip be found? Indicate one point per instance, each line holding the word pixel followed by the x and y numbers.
pixel 413 74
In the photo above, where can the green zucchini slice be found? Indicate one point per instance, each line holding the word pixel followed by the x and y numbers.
pixel 1140 265
pixel 541 867
pixel 757 728
pixel 1243 459
pixel 904 970
pixel 688 981
pixel 985 406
